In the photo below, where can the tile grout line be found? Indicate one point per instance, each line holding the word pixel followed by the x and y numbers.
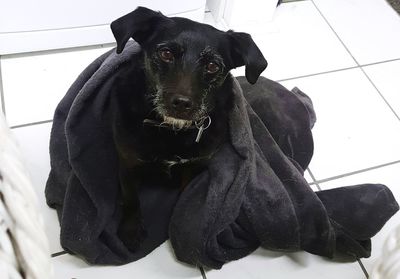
pixel 3 102
pixel 364 270
pixel 54 255
pixel 31 124
pixel 319 73
pixel 313 178
pixel 379 92
pixel 338 70
pixel 355 60
pixel 357 172
pixel 336 34
pixel 203 273
pixel 59 50
pixel 380 62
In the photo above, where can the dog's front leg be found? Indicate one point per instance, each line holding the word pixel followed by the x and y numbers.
pixel 131 230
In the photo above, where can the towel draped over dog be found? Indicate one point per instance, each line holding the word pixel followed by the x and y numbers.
pixel 251 194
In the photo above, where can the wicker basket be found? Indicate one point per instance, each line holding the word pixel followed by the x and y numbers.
pixel 24 249
pixel 388 265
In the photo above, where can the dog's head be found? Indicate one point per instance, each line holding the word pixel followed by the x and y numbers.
pixel 186 62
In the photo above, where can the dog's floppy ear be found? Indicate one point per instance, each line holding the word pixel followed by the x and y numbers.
pixel 139 24
pixel 245 52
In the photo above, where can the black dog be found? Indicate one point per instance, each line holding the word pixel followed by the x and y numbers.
pixel 177 117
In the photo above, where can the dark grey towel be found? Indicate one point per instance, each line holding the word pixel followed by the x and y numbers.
pixel 395 4
pixel 252 193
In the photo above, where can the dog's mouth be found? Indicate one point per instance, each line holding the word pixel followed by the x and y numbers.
pixel 177 123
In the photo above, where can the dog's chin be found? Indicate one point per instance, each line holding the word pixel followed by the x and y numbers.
pixel 177 123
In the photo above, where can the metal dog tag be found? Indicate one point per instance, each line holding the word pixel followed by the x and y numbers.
pixel 201 126
pixel 199 133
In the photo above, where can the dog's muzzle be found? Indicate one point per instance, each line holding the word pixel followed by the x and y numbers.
pixel 179 111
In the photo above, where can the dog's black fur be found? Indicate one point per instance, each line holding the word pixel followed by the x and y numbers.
pixel 185 76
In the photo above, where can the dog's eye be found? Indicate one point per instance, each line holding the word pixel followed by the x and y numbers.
pixel 166 55
pixel 212 68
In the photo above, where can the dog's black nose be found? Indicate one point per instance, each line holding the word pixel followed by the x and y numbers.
pixel 182 103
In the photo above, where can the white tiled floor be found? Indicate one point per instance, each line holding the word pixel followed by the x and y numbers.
pixel 309 44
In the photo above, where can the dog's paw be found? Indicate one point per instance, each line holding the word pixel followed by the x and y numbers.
pixel 131 234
